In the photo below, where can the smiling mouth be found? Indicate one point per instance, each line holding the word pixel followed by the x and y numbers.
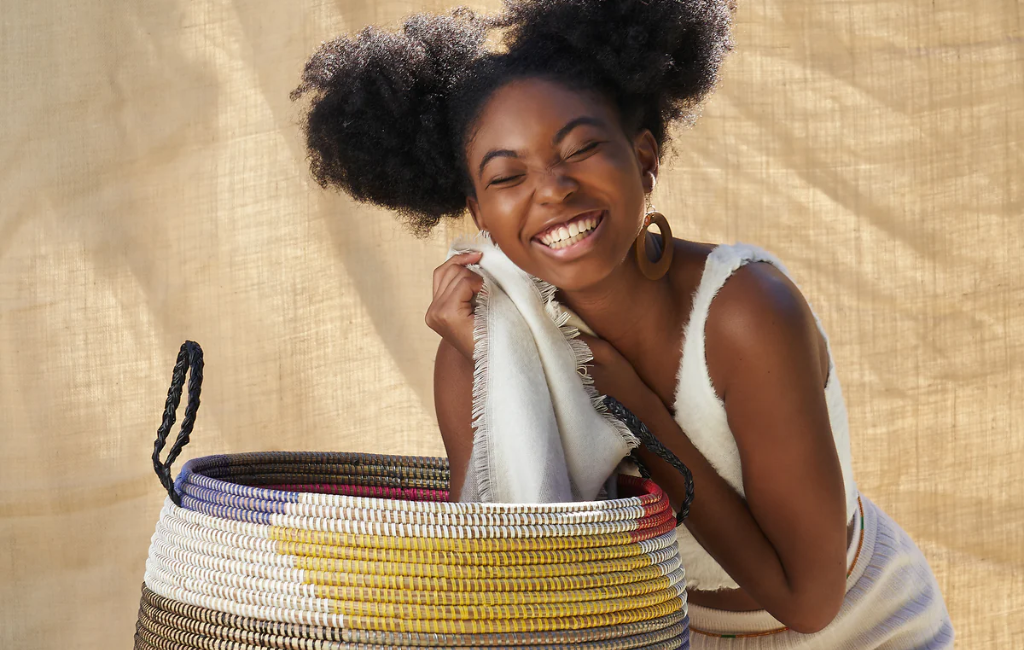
pixel 571 232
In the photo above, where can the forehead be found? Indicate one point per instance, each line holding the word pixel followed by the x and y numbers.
pixel 529 112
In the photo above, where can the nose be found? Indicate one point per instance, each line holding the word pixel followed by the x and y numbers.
pixel 555 186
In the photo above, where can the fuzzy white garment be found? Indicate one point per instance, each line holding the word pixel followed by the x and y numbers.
pixel 542 434
pixel 701 413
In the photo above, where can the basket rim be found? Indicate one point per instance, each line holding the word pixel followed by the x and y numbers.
pixel 191 472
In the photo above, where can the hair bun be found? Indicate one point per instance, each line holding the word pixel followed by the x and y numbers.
pixel 667 51
pixel 377 125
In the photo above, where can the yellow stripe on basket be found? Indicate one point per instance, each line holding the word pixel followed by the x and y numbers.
pixel 490 545
pixel 349 609
pixel 471 572
pixel 497 558
pixel 502 626
pixel 492 598
pixel 555 583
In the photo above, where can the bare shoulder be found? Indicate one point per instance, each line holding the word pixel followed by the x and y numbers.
pixel 758 315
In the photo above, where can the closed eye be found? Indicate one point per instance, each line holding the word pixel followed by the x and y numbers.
pixel 503 180
pixel 585 149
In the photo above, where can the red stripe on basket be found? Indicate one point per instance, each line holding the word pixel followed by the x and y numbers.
pixel 373 491
pixel 645 534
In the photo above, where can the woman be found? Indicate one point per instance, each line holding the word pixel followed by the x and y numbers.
pixel 553 144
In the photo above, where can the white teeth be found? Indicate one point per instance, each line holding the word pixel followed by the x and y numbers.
pixel 563 236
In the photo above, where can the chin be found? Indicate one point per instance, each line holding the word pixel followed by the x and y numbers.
pixel 579 276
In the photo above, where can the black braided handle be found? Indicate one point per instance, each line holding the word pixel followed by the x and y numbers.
pixel 648 440
pixel 190 360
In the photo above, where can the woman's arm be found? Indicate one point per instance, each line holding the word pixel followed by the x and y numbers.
pixel 785 545
pixel 451 315
pixel 453 401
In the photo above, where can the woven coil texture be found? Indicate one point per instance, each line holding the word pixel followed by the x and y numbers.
pixel 338 550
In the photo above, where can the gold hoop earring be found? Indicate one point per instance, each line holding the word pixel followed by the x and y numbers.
pixel 654 270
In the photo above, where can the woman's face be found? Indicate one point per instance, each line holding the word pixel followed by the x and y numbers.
pixel 559 185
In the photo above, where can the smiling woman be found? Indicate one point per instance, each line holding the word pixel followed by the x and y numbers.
pixel 573 158
pixel 552 144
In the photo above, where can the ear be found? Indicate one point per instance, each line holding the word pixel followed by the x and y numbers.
pixel 474 211
pixel 645 147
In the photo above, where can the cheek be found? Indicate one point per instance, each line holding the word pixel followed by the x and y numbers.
pixel 503 209
pixel 614 172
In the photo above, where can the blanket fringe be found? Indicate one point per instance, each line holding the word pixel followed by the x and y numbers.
pixel 480 456
pixel 583 355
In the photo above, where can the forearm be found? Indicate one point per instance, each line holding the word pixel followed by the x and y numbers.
pixel 453 388
pixel 723 523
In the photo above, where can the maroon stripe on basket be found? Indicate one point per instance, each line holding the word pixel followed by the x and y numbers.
pixel 411 494
pixel 645 534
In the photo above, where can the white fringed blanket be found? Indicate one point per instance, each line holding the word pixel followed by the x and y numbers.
pixel 542 434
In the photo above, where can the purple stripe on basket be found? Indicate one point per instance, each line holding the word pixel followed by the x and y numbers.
pixel 217 497
pixel 248 491
pixel 225 512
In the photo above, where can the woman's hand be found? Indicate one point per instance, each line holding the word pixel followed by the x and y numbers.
pixel 614 375
pixel 451 311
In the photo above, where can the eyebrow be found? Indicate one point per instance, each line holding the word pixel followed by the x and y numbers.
pixel 562 132
pixel 495 153
pixel 579 121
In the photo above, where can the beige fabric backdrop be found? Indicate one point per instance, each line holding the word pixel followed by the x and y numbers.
pixel 153 188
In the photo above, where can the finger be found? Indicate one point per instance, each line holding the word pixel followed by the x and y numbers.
pixel 461 259
pixel 453 274
pixel 460 293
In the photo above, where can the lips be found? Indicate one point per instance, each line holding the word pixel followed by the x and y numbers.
pixel 566 234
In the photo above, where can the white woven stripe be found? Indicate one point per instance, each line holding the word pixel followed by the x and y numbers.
pixel 290 583
pixel 630 511
pixel 218 550
pixel 170 520
pixel 261 531
pixel 658 543
pixel 666 560
pixel 278 614
pixel 249 567
pixel 375 503
pixel 451 532
pixel 399 530
pixel 198 574
pixel 244 596
pixel 260 592
pixel 239 547
pixel 429 518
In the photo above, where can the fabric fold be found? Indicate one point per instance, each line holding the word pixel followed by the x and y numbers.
pixel 541 431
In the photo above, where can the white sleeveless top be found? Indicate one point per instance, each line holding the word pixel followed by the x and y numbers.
pixel 701 414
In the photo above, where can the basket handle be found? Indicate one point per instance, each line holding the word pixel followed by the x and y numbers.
pixel 190 360
pixel 654 445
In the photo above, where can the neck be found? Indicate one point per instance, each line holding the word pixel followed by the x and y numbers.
pixel 626 309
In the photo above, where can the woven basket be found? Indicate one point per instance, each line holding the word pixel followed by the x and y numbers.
pixel 338 550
